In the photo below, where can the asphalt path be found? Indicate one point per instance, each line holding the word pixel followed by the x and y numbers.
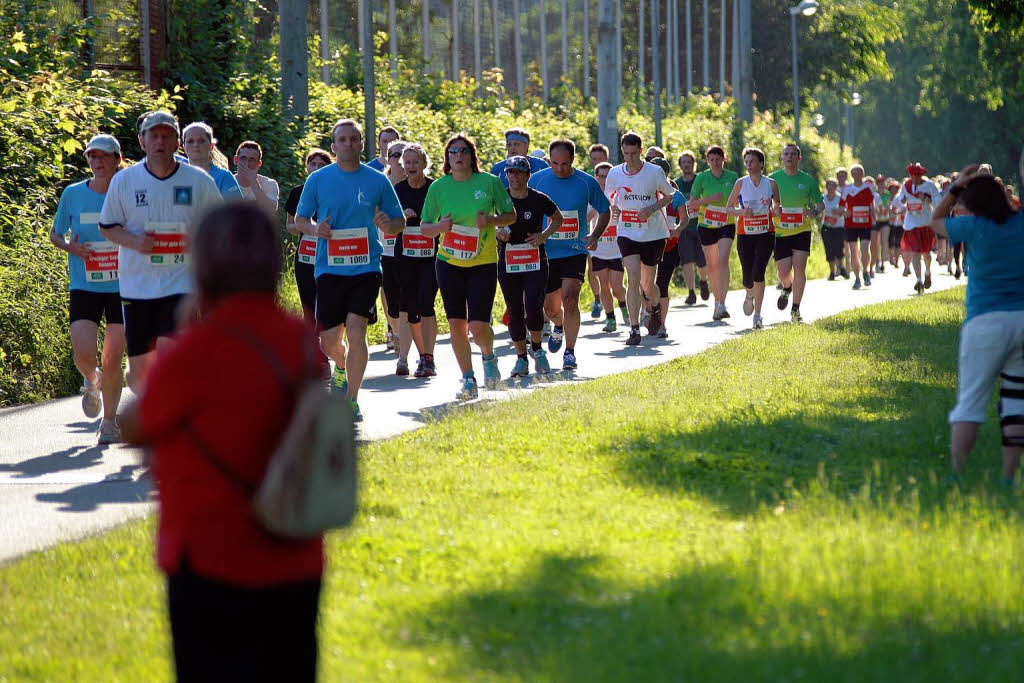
pixel 57 485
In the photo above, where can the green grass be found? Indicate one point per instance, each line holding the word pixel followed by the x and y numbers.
pixel 770 510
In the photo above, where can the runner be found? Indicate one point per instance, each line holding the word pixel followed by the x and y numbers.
pixel 464 207
pixel 639 191
pixel 754 200
pixel 880 232
pixel 253 186
pixel 606 261
pixel 523 264
pixel 305 253
pixel 384 138
pixel 895 227
pixel 654 152
pixel 874 248
pixel 517 143
pixel 841 178
pixel 859 200
pixel 353 204
pixel 917 196
pixel 201 148
pixel 717 231
pixel 93 288
pixel 180 158
pixel 801 199
pixel 992 338
pixel 597 154
pixel 573 191
pixel 399 335
pixel 146 212
pixel 833 232
pixel 691 253
pixel 415 256
pixel 671 257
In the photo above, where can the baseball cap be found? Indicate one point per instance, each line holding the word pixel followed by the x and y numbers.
pixel 159 118
pixel 104 143
pixel 518 163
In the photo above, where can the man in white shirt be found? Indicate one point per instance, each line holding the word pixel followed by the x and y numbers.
pixel 147 213
pixel 259 188
pixel 638 191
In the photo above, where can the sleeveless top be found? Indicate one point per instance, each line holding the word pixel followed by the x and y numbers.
pixel 759 198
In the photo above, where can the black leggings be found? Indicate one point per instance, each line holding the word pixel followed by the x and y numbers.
pixel 524 290
pixel 306 283
pixel 754 252
pixel 418 282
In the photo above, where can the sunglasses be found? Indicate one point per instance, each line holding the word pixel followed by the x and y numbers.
pixel 458 150
pixel 395 155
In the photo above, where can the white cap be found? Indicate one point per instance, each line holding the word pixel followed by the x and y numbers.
pixel 159 118
pixel 104 143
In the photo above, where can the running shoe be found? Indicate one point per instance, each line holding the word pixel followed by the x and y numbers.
pixel 783 299
pixel 428 366
pixel 856 283
pixel 831 277
pixel 663 333
pixel 569 360
pixel 867 278
pixel 748 305
pixel 725 312
pixel 645 317
pixel 906 271
pixel 844 272
pixel 357 415
pixel 339 382
pixel 691 298
pixel 919 287
pixel 92 400
pixel 609 325
pixel 521 368
pixel 758 323
pixel 595 310
pixel 555 340
pixel 492 376
pixel 881 268
pixel 719 310
pixel 634 338
pixel 469 389
pixel 704 293
pixel 928 281
pixel 391 341
pixel 795 316
pixel 625 315
pixel 958 273
pixel 546 332
pixel 655 321
pixel 108 432
pixel 419 368
pixel 540 362
pixel 402 368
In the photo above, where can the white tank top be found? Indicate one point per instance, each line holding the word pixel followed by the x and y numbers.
pixel 759 198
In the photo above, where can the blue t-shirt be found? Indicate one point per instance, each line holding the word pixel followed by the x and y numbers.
pixel 376 164
pixel 678 199
pixel 995 261
pixel 78 212
pixel 571 195
pixel 226 183
pixel 536 165
pixel 350 200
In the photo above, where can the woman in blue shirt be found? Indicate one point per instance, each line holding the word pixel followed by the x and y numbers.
pixel 992 338
pixel 201 149
pixel 94 294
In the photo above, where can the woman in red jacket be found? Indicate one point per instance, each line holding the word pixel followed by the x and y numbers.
pixel 243 603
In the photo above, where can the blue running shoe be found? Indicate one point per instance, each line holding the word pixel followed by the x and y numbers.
pixel 569 361
pixel 492 377
pixel 555 341
pixel 540 360
pixel 469 389
pixel 522 368
pixel 595 310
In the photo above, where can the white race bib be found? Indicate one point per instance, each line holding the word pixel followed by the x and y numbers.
pixel 833 219
pixel 757 224
pixel 170 244
pixel 791 219
pixel 861 215
pixel 716 216
pixel 348 247
pixel 388 241
pixel 414 244
pixel 87 218
pixel 101 264
pixel 462 242
pixel 307 249
pixel 570 227
pixel 610 235
pixel 915 206
pixel 522 258
pixel 630 220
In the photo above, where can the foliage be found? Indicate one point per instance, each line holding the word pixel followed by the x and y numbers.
pixel 1001 15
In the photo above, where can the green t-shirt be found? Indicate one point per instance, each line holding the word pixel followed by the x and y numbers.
pixel 797 191
pixel 482 192
pixel 706 185
pixel 882 215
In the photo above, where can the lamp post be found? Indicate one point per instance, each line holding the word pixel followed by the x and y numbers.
pixel 806 8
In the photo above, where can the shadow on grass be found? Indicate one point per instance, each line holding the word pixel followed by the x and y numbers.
pixel 564 622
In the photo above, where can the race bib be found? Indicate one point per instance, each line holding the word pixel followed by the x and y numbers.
pixel 307 249
pixel 833 220
pixel 610 235
pixel 915 206
pixel 414 244
pixel 757 224
pixel 170 244
pixel 101 264
pixel 522 258
pixel 792 218
pixel 715 216
pixel 570 228
pixel 87 218
pixel 881 214
pixel 861 215
pixel 389 242
pixel 462 242
pixel 348 247
pixel 630 220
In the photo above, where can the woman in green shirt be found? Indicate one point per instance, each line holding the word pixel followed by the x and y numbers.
pixel 464 207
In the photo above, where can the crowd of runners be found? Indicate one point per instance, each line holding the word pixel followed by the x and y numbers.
pixel 536 226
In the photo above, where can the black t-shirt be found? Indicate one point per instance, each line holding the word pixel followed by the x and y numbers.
pixel 412 198
pixel 292 205
pixel 685 186
pixel 530 211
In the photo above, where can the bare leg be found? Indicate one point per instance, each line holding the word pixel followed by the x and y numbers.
pixel 483 336
pixel 113 375
pixel 460 344
pixel 799 275
pixel 724 249
pixel 429 324
pixel 357 353
pixel 962 439
pixel 570 305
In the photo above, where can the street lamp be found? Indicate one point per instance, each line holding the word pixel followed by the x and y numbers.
pixel 805 8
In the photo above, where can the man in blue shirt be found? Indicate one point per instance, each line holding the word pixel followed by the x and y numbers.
pixel 517 144
pixel 384 138
pixel 352 202
pixel 573 191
